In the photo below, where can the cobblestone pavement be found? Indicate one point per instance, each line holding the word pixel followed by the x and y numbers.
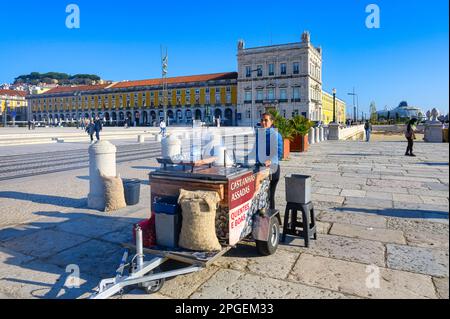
pixel 380 215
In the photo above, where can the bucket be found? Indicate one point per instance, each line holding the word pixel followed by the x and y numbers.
pixel 298 189
pixel 132 188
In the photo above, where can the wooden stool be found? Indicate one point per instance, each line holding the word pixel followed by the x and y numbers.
pixel 307 225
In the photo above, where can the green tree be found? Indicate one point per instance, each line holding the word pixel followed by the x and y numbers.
pixel 373 112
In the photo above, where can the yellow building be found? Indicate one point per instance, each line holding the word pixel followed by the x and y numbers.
pixel 327 109
pixel 17 104
pixel 198 97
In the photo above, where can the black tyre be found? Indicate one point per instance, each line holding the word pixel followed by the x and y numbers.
pixel 154 286
pixel 267 248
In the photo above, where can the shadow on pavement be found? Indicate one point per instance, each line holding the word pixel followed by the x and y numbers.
pixel 46 199
pixel 38 258
pixel 396 212
pixel 148 168
pixel 433 164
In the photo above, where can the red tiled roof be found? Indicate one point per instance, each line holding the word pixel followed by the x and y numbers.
pixel 13 93
pixel 68 89
pixel 179 79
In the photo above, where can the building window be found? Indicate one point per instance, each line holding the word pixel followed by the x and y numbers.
pixel 260 70
pixel 283 69
pixel 248 96
pixel 248 72
pixel 271 69
pixel 259 95
pixel 271 94
pixel 197 91
pixel 296 68
pixel 296 93
pixel 228 98
pixel 217 96
pixel 283 94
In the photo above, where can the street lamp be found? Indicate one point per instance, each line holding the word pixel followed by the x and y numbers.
pixel 355 106
pixel 334 105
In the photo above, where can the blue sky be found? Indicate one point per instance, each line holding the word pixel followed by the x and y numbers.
pixel 406 59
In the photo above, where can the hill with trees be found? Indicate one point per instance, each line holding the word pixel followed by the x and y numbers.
pixel 36 78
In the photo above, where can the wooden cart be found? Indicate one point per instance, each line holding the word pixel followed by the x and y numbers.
pixel 244 195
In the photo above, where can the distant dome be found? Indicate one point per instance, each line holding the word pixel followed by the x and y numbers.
pixel 403 111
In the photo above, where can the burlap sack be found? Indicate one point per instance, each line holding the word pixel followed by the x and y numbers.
pixel 114 193
pixel 198 231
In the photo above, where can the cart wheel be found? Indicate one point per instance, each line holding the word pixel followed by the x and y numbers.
pixel 267 248
pixel 154 286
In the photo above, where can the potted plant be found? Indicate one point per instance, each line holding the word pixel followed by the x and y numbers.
pixel 300 126
pixel 284 127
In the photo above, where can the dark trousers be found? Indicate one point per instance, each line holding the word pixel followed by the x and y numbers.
pixel 409 149
pixel 97 135
pixel 92 137
pixel 274 179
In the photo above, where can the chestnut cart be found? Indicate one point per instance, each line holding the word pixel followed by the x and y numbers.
pixel 242 214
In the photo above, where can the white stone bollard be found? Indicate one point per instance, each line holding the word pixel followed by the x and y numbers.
pixel 102 158
pixel 141 139
pixel 333 132
pixel 171 146
pixel 312 136
pixel 317 133
pixel 433 132
pixel 322 134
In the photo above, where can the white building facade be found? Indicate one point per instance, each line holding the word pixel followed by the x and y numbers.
pixel 285 77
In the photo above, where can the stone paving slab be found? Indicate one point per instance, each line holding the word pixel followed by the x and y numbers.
pixel 353 193
pixel 93 226
pixel 377 234
pixel 358 202
pixel 232 284
pixel 441 287
pixel 419 260
pixel 352 278
pixel 343 248
pixel 94 258
pixel 432 200
pixel 276 266
pixel 353 218
pixel 40 280
pixel 385 189
pixel 44 243
pixel 182 287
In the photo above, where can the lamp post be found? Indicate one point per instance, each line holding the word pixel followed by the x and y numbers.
pixel 334 105
pixel 355 106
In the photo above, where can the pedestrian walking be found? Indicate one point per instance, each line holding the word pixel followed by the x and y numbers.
pixel 368 129
pixel 98 127
pixel 410 136
pixel 163 128
pixel 29 125
pixel 90 129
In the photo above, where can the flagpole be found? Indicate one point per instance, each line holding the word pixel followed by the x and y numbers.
pixel 164 65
